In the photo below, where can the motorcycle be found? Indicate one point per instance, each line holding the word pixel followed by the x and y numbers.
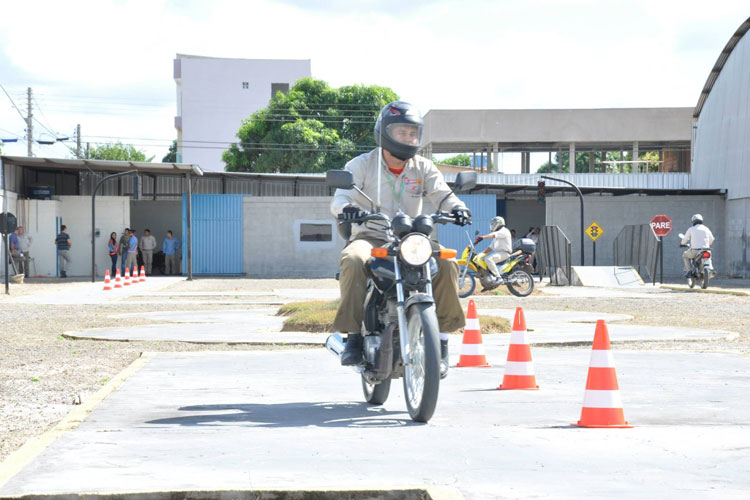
pixel 515 272
pixel 701 267
pixel 400 327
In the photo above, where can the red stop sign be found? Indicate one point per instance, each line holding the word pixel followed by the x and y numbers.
pixel 661 225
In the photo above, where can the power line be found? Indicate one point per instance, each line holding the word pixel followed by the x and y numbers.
pixel 13 103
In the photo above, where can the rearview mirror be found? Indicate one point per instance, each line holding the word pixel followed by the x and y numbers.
pixel 465 181
pixel 342 179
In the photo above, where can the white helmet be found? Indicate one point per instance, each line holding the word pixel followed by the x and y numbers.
pixel 496 223
pixel 697 219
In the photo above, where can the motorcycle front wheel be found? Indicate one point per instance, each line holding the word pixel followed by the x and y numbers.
pixel 376 394
pixel 466 283
pixel 520 283
pixel 706 276
pixel 691 281
pixel 422 374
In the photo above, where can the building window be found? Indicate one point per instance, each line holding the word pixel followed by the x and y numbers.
pixel 245 85
pixel 279 87
pixel 315 232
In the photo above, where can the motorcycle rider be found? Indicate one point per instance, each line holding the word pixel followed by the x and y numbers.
pixel 699 237
pixel 396 178
pixel 500 248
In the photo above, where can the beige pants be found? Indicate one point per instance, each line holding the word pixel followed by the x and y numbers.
pixel 687 256
pixel 148 260
pixel 353 285
pixel 493 259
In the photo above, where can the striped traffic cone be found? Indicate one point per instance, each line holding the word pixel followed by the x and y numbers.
pixel 118 281
pixel 135 275
pixel 602 406
pixel 472 350
pixel 107 284
pixel 126 281
pixel 519 370
pixel 142 275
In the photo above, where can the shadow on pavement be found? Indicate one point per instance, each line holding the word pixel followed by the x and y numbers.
pixel 290 415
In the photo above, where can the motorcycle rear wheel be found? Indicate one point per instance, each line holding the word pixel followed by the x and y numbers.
pixel 376 394
pixel 422 374
pixel 520 283
pixel 467 284
pixel 706 276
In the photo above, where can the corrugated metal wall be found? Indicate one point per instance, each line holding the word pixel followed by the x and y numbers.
pixel 669 180
pixel 483 208
pixel 217 234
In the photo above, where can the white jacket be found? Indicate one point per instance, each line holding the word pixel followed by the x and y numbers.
pixel 699 236
pixel 420 178
pixel 502 242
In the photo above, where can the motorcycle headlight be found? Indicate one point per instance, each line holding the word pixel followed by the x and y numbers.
pixel 416 249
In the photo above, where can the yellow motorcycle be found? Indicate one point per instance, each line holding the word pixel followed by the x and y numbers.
pixel 515 272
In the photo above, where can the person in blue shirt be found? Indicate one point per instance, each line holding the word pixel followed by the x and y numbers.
pixel 62 242
pixel 132 259
pixel 170 247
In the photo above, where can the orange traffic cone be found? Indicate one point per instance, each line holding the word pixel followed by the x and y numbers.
pixel 142 276
pixel 519 370
pixel 135 275
pixel 107 285
pixel 472 350
pixel 602 406
pixel 126 281
pixel 118 282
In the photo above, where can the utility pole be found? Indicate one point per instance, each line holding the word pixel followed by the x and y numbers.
pixel 78 141
pixel 29 116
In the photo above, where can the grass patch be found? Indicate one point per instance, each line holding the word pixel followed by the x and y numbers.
pixel 317 316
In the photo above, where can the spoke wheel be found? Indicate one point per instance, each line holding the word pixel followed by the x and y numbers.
pixel 466 284
pixel 706 277
pixel 520 283
pixel 691 282
pixel 376 394
pixel 422 374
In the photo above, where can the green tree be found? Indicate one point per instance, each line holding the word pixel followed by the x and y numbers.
pixel 171 157
pixel 116 151
pixel 461 160
pixel 311 128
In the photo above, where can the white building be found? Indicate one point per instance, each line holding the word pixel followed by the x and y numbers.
pixel 214 95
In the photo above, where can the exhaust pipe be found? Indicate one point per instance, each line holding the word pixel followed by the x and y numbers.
pixel 335 344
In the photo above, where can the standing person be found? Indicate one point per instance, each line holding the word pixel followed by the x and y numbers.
pixel 399 179
pixel 501 246
pixel 122 248
pixel 170 247
pixel 699 237
pixel 20 245
pixel 63 250
pixel 148 244
pixel 113 248
pixel 132 251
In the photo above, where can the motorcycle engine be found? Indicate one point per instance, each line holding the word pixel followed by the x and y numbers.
pixel 372 345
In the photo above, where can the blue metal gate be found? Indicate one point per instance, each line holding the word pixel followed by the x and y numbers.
pixel 217 234
pixel 483 208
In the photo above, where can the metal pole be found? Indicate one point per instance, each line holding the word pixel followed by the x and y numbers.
pixel 661 260
pixel 29 124
pixel 594 252
pixel 581 196
pixel 93 219
pixel 189 228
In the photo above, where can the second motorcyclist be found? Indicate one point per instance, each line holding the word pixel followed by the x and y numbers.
pixel 699 236
pixel 397 178
pixel 501 246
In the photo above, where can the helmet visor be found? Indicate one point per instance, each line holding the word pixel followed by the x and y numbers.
pixel 404 133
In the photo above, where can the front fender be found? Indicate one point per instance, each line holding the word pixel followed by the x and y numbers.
pixel 418 298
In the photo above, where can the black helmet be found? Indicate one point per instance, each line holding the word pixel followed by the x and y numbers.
pixel 402 142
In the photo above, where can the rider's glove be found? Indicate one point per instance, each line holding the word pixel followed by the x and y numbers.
pixel 462 216
pixel 476 241
pixel 352 212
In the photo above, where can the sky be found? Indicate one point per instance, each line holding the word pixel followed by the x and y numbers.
pixel 107 64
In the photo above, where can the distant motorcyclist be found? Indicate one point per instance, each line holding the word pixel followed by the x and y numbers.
pixel 699 237
pixel 397 179
pixel 501 246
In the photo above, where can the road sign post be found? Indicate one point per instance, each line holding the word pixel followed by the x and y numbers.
pixel 661 225
pixel 594 231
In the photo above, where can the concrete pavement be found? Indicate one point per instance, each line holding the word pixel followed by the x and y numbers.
pixel 261 420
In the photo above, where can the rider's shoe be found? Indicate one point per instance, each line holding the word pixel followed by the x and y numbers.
pixel 444 364
pixel 688 274
pixel 352 354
